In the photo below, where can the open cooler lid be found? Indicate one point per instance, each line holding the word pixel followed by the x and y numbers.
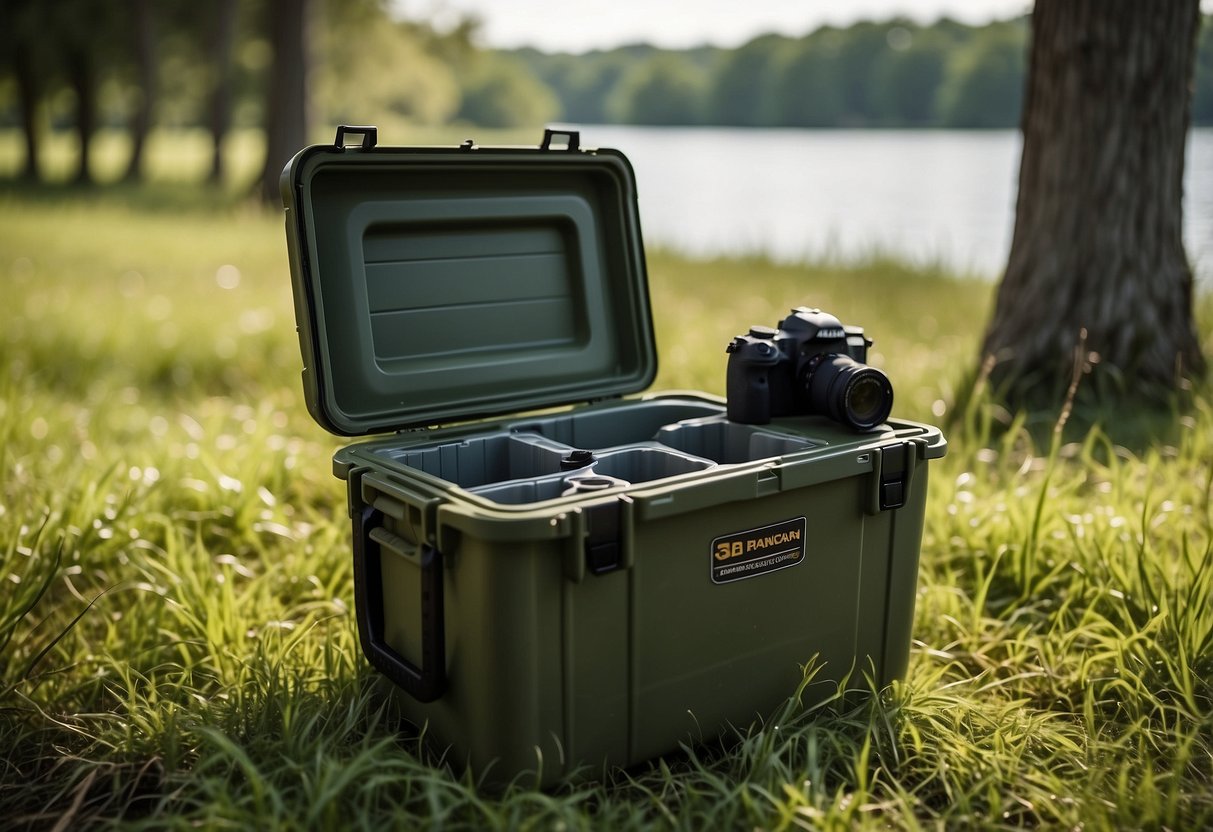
pixel 438 284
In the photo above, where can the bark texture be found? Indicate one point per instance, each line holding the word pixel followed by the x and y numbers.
pixel 1097 245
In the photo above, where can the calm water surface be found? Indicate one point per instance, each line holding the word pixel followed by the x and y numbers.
pixel 943 196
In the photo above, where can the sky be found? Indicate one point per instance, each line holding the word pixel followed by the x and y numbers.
pixel 581 25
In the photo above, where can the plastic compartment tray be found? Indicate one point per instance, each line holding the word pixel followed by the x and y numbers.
pixel 729 442
pixel 611 467
pixel 531 462
pixel 485 460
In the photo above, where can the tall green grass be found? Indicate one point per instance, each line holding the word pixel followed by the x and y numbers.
pixel 177 646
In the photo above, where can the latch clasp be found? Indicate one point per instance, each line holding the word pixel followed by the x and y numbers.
pixel 603 541
pixel 370 135
pixel 572 140
pixel 891 476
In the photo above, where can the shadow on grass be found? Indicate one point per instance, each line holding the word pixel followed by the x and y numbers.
pixel 1050 412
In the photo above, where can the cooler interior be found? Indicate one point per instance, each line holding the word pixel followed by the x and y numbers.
pixel 544 458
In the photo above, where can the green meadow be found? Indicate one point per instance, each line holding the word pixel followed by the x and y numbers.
pixel 177 641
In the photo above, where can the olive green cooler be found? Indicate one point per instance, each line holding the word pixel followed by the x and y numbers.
pixel 563 576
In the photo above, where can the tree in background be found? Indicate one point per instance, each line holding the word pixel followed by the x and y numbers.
pixel 144 31
pixel 81 46
pixel 906 79
pixel 220 38
pixel 178 64
pixel 985 79
pixel 1202 99
pixel 807 91
pixel 84 29
pixel 29 62
pixel 742 94
pixel 859 53
pixel 584 84
pixel 498 91
pixel 1097 263
pixel 666 89
pixel 374 67
pixel 286 103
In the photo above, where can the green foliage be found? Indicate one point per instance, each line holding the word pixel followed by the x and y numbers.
pixel 583 85
pixel 886 74
pixel 375 68
pixel 906 80
pixel 666 89
pixel 498 92
pixel 742 90
pixel 370 65
pixel 177 647
pixel 985 81
pixel 806 85
pixel 859 51
pixel 1202 87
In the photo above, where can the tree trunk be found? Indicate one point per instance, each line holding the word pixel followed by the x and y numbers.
pixel 220 115
pixel 1097 245
pixel 84 84
pixel 286 106
pixel 27 94
pixel 145 60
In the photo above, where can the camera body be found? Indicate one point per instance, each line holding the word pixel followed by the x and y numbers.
pixel 811 364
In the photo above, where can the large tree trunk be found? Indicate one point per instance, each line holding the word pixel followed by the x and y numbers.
pixel 145 61
pixel 220 55
pixel 286 106
pixel 1097 245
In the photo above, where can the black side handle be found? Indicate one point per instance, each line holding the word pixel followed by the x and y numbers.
pixel 370 135
pixel 425 683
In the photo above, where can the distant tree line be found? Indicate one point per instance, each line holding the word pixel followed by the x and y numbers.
pixel 280 65
pixel 894 73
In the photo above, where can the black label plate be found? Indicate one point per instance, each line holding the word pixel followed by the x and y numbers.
pixel 758 551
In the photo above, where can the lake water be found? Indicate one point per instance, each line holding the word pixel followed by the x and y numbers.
pixel 943 196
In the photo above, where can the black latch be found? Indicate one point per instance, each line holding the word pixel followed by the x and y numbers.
pixel 894 475
pixel 572 139
pixel 603 549
pixel 370 135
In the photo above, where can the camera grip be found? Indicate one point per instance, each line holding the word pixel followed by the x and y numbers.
pixel 748 392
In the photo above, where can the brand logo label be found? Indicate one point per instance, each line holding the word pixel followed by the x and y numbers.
pixel 758 551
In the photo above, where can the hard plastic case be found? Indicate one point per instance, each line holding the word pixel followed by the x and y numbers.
pixel 590 579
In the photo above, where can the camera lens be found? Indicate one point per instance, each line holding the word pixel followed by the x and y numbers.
pixel 849 392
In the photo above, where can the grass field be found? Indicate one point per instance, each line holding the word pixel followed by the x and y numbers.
pixel 177 646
